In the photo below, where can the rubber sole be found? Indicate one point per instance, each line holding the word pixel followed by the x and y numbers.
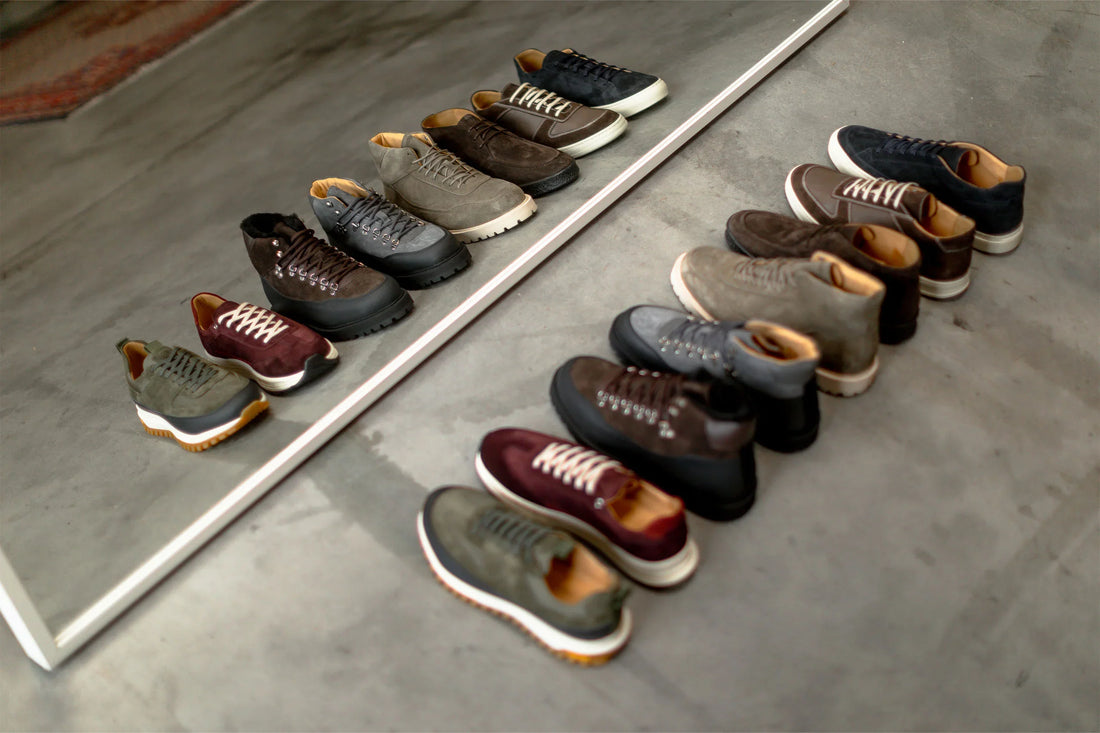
pixel 437 273
pixel 847 385
pixel 588 652
pixel 315 367
pixel 665 573
pixel 840 159
pixel 561 179
pixel 944 289
pixel 197 442
pixel 500 224
pixel 309 313
pixel 800 211
pixel 596 140
pixel 999 244
pixel 635 103
pixel 683 294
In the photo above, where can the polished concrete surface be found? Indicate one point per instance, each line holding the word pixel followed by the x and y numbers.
pixel 932 562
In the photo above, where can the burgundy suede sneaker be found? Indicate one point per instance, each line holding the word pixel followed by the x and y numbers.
pixel 637 526
pixel 280 354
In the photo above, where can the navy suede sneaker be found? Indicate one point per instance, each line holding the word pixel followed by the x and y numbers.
pixel 965 176
pixel 593 83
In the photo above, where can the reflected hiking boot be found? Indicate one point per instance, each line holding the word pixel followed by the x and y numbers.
pixel 310 281
pixel 890 256
pixel 280 354
pixel 775 365
pixel 544 117
pixel 594 83
pixel 822 195
pixel 541 579
pixel 822 297
pixel 633 523
pixel 180 395
pixel 966 177
pixel 692 439
pixel 492 149
pixel 363 224
pixel 435 185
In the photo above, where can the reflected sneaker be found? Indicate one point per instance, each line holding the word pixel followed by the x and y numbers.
pixel 544 117
pixel 180 395
pixel 280 354
pixel 540 579
pixel 363 224
pixel 492 149
pixel 823 297
pixel 822 195
pixel 435 185
pixel 775 365
pixel 633 523
pixel 965 176
pixel 310 281
pixel 594 83
pixel 693 439
pixel 889 255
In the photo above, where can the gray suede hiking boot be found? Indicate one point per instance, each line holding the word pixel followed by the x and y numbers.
pixel 180 395
pixel 435 185
pixel 823 297
pixel 363 224
pixel 775 364
pixel 541 579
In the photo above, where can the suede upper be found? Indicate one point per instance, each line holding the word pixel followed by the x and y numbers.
pixel 579 78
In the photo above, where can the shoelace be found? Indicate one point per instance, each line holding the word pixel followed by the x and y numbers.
pixel 254 321
pixel 591 67
pixel 375 215
pixel 650 397
pixel 872 189
pixel 697 339
pixel 905 145
pixel 185 368
pixel 313 258
pixel 483 131
pixel 574 465
pixel 534 98
pixel 513 530
pixel 445 165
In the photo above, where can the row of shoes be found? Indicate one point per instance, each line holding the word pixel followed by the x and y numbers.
pixel 673 427
pixel 565 105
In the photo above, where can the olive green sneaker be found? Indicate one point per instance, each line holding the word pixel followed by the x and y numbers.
pixel 541 579
pixel 180 395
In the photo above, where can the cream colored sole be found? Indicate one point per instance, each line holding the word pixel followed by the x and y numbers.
pixel 999 244
pixel 680 288
pixel 846 385
pixel 638 101
pixel 496 226
pixel 596 140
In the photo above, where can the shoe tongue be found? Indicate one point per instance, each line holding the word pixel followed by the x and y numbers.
pixel 508 89
pixel 953 155
pixel 919 203
pixel 412 141
pixel 555 58
pixel 224 308
pixel 347 199
pixel 288 227
pixel 552 545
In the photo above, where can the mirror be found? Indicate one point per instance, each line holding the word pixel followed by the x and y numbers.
pixel 117 215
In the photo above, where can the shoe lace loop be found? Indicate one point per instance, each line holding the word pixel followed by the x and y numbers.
pixel 313 258
pixel 651 397
pixel 578 62
pixel 483 131
pixel 254 321
pixel 874 189
pixel 574 465
pixel 185 368
pixel 905 145
pixel 697 339
pixel 517 532
pixel 374 214
pixel 446 166
pixel 534 98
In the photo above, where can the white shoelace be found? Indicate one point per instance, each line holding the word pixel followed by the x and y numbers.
pixel 251 318
pixel 575 465
pixel 872 189
pixel 534 98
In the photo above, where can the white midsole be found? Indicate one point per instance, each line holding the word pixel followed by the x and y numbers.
pixel 156 422
pixel 552 637
pixel 944 289
pixel 999 244
pixel 658 573
pixel 596 140
pixel 840 159
pixel 638 101
pixel 800 211
pixel 505 221
pixel 679 287
pixel 847 385
pixel 275 384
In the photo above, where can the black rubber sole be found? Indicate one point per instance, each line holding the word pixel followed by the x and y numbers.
pixel 437 273
pixel 327 317
pixel 718 490
pixel 554 182
pixel 316 366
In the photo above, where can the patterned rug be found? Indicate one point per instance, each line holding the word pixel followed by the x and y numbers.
pixel 82 49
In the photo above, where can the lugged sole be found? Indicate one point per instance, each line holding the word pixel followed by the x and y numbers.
pixel 587 652
pixel 248 414
pixel 846 385
pixel 596 140
pixel 499 225
pixel 437 273
pixel 639 101
pixel 999 244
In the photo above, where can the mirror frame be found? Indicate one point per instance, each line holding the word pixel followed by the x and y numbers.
pixel 48 650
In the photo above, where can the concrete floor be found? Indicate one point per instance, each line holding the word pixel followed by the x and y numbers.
pixel 932 562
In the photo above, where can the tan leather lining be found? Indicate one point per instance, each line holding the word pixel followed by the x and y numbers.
pixel 135 357
pixel 578 577
pixel 641 504
pixel 530 60
pixel 320 188
pixel 793 345
pixel 484 99
pixel 446 118
pixel 388 139
pixel 942 221
pixel 203 306
pixel 887 246
pixel 848 278
pixel 984 169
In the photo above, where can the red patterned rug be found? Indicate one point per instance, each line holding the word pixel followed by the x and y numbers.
pixel 82 49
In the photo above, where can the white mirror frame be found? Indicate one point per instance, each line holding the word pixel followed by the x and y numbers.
pixel 49 651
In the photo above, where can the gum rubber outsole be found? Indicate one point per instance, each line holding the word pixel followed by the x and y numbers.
pixel 247 415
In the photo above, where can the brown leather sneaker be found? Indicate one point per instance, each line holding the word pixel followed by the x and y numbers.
pixel 537 169
pixel 945 237
pixel 310 281
pixel 544 117
pixel 890 256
